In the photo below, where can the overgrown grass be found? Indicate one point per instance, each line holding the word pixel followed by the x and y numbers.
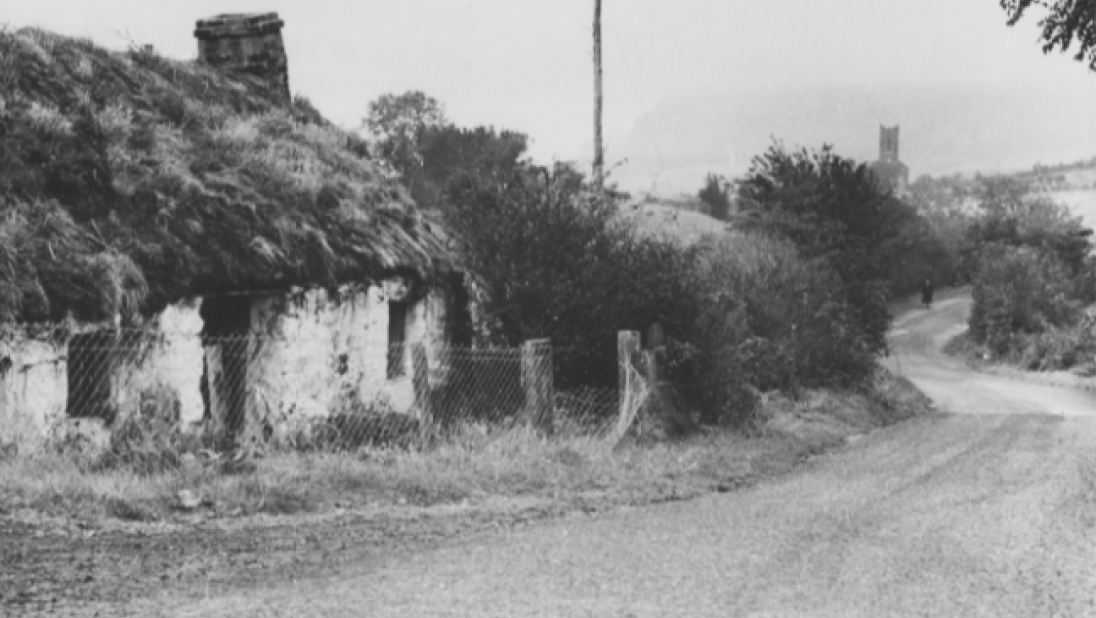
pixel 476 464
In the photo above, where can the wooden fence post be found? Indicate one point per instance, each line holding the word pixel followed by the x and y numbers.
pixel 627 346
pixel 656 339
pixel 536 378
pixel 421 382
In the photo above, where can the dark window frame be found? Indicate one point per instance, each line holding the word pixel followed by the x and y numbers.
pixel 397 339
pixel 88 372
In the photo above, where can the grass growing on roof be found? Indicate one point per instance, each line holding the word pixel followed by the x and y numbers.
pixel 128 180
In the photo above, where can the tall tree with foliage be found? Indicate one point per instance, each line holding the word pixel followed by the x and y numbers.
pixel 396 122
pixel 414 135
pixel 1066 22
pixel 833 210
pixel 552 259
pixel 716 196
pixel 1015 215
pixel 445 152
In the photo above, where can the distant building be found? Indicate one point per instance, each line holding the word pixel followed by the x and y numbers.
pixel 889 170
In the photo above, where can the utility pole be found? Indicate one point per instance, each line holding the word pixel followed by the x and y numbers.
pixel 599 155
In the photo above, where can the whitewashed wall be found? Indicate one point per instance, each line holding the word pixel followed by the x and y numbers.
pixel 310 354
pixel 317 354
pixel 33 387
pixel 165 369
pixel 310 350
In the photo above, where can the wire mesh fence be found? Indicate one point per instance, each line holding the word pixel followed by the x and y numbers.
pixel 155 391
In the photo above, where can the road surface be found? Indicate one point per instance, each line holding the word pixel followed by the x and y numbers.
pixel 986 510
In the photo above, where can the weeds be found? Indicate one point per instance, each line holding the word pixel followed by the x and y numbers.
pixel 475 462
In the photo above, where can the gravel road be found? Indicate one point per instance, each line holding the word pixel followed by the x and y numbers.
pixel 986 510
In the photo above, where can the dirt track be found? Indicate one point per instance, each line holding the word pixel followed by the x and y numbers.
pixel 986 510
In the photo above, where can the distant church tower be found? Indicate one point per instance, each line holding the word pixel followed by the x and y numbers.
pixel 888 144
pixel 889 169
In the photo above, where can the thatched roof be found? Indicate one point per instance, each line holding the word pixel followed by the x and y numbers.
pixel 129 181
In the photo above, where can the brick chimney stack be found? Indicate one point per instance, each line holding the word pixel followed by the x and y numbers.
pixel 246 42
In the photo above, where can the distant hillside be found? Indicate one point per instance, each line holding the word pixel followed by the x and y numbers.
pixel 945 129
pixel 672 218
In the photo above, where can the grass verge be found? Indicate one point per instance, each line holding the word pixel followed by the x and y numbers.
pixel 478 464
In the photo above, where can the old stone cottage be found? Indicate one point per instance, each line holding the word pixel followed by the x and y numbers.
pixel 182 236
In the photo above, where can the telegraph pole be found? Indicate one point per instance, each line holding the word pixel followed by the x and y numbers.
pixel 599 155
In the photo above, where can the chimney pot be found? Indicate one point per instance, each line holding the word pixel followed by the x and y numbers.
pixel 246 42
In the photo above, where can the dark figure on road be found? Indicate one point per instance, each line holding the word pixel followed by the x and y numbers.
pixel 926 293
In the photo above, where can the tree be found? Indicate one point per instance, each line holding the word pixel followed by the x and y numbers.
pixel 396 122
pixel 447 151
pixel 716 194
pixel 832 209
pixel 946 208
pixel 440 154
pixel 1015 215
pixel 1067 21
pixel 552 258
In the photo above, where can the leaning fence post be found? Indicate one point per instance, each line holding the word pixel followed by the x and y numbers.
pixel 536 378
pixel 627 346
pixel 421 383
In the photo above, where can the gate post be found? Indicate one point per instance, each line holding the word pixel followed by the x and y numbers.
pixel 655 340
pixel 536 379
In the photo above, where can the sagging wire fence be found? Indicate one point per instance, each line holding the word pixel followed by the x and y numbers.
pixel 151 393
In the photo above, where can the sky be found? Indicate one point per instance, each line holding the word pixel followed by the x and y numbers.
pixel 526 65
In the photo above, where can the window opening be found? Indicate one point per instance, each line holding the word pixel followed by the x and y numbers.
pixel 88 372
pixel 397 334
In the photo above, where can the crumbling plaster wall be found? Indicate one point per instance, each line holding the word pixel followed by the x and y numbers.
pixel 310 351
pixel 316 354
pixel 33 385
pixel 163 367
pixel 310 354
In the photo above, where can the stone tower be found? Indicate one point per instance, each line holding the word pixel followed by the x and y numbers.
pixel 246 42
pixel 889 169
pixel 888 144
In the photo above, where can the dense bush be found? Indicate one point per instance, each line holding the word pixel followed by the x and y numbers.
pixel 832 209
pixel 1016 292
pixel 1032 276
pixel 1015 215
pixel 1061 348
pixel 553 260
pixel 768 320
pixel 917 254
pixel 943 207
pixel 716 196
